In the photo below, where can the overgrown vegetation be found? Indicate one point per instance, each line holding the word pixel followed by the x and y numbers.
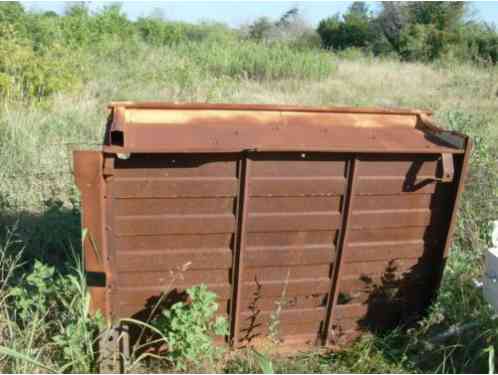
pixel 45 322
pixel 189 330
pixel 414 31
pixel 57 74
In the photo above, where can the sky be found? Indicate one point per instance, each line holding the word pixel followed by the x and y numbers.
pixel 236 13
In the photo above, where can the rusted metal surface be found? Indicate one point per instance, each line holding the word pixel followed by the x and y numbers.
pixel 90 180
pixel 347 210
pixel 310 224
pixel 240 240
pixel 153 127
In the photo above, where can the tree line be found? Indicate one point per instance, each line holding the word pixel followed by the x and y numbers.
pixel 423 31
pixel 420 31
pixel 43 52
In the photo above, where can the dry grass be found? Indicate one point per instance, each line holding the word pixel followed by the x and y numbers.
pixel 32 137
pixel 37 186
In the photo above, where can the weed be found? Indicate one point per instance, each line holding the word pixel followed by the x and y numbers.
pixel 265 363
pixel 50 322
pixel 190 327
pixel 280 304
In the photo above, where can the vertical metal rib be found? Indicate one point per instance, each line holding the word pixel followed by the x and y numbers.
pixel 240 242
pixel 341 241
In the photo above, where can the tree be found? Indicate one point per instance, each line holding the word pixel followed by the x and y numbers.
pixel 433 29
pixel 261 28
pixel 392 19
pixel 50 14
pixel 288 17
pixel 354 29
pixel 112 20
pixel 12 13
pixel 77 9
pixel 444 16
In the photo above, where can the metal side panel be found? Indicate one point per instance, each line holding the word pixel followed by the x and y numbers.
pixel 289 220
pixel 171 225
pixel 396 242
pixel 297 246
pixel 88 169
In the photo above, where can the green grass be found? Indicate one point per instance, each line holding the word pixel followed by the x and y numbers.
pixel 39 205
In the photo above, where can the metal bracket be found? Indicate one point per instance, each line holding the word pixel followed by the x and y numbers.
pixel 448 168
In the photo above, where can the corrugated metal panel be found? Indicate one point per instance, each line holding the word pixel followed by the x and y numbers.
pixel 291 230
pixel 393 244
pixel 171 213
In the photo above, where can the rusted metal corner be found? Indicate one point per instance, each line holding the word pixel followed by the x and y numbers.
pixel 115 127
pixel 450 138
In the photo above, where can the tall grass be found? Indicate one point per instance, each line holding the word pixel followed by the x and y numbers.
pixel 45 322
pixel 38 191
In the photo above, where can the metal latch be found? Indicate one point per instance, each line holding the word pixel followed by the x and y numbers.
pixel 448 168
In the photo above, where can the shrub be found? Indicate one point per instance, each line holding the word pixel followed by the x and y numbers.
pixel 260 29
pixel 354 29
pixel 158 32
pixel 29 74
pixel 480 41
pixel 189 329
pixel 213 32
pixel 308 39
pixel 52 310
pixel 112 21
pixel 12 14
pixel 291 28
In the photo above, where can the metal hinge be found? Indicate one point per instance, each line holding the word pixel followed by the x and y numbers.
pixel 448 168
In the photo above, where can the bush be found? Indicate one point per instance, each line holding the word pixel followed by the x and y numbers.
pixel 158 32
pixel 29 74
pixel 189 329
pixel 480 41
pixel 354 29
pixel 260 29
pixel 213 32
pixel 306 40
pixel 112 21
pixel 52 312
pixel 291 28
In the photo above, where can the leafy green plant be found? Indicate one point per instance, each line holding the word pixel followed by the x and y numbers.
pixel 36 294
pixel 26 73
pixel 189 329
pixel 53 311
pixel 265 363
pixel 78 332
